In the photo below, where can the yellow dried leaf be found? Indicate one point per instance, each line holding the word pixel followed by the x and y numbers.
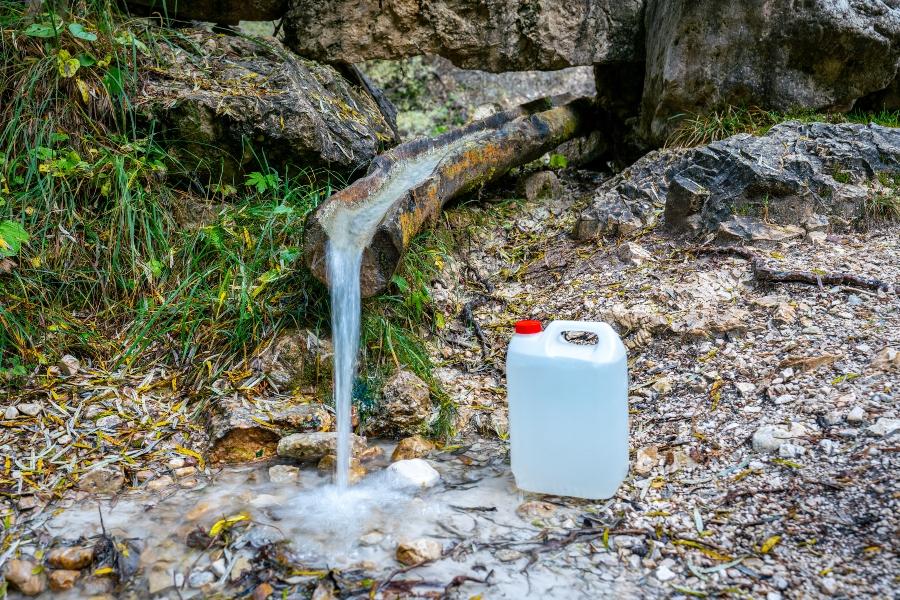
pixel 192 453
pixel 769 544
pixel 83 88
pixel 104 571
pixel 218 526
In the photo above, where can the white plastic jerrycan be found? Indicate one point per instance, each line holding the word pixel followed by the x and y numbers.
pixel 568 409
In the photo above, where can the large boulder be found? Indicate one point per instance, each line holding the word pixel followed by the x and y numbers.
pixel 778 54
pixel 490 35
pixel 229 101
pixel 806 175
pixel 223 12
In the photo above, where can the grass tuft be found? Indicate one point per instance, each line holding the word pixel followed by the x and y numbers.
pixel 700 129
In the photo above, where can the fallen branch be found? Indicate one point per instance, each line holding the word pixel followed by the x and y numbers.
pixel 763 273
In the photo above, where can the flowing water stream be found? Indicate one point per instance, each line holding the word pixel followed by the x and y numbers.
pixel 350 229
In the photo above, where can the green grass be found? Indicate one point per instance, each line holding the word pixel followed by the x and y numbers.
pixel 129 264
pixel 696 130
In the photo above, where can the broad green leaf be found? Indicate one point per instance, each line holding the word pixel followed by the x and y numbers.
pixel 78 30
pixel 12 236
pixel 86 60
pixel 40 30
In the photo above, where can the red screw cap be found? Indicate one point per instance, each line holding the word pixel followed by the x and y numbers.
pixel 528 327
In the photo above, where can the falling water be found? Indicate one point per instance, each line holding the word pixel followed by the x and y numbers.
pixel 350 229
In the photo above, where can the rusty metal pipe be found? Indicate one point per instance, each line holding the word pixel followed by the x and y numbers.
pixel 481 152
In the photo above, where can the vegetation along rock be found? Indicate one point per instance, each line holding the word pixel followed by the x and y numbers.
pixel 703 55
pixel 296 358
pixel 405 408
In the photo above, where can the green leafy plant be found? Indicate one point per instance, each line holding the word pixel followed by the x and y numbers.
pixel 12 236
pixel 263 182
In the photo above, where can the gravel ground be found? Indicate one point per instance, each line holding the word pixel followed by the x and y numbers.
pixel 764 436
pixel 764 426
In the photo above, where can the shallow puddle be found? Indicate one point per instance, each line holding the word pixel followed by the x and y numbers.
pixel 292 534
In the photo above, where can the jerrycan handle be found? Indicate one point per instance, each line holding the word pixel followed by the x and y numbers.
pixel 556 345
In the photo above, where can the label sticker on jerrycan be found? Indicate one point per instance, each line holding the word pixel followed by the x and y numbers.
pixel 568 409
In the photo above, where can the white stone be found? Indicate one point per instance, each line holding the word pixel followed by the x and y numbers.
pixel 663 573
pixel 69 366
pixel 856 415
pixel 373 538
pixel 414 472
pixel 885 426
pixel 11 413
pixel 769 438
pixel 29 408
pixel 198 579
pixel 745 388
pixel 218 567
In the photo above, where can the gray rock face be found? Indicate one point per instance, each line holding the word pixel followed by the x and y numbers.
pixel 781 54
pixel 294 111
pixel 224 12
pixel 793 176
pixel 406 406
pixel 490 35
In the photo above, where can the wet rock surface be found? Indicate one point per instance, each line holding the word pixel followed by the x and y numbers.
pixel 315 445
pixel 297 111
pixel 797 176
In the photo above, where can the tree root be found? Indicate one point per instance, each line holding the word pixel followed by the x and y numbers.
pixel 764 273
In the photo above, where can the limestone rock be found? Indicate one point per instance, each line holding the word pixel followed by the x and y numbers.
pixel 418 551
pixel 888 359
pixel 328 465
pixel 885 427
pixel 739 229
pixel 296 358
pixel 107 479
pixel 238 432
pixel 414 472
pixel 72 558
pixel 295 111
pixel 19 574
pixel 535 509
pixel 69 366
pixel 770 438
pixel 315 445
pixel 284 474
pixel 543 184
pixel 705 54
pixel 489 35
pixel 784 178
pixel 405 407
pixel 632 253
pixel 645 459
pixel 412 447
